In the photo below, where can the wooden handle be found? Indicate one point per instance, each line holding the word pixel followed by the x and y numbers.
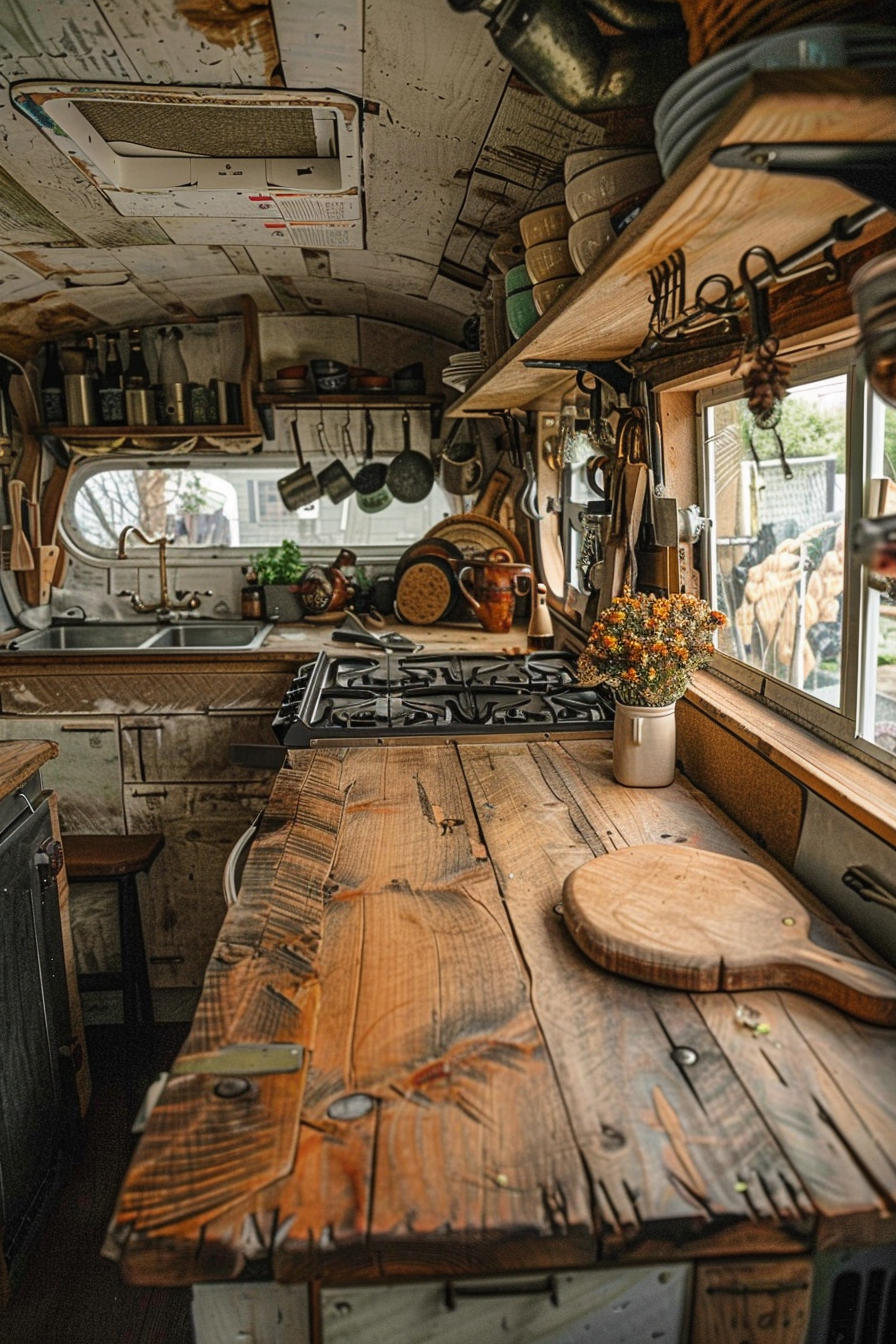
pixel 858 987
pixel 20 556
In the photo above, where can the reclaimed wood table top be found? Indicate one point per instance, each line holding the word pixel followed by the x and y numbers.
pixel 472 1094
pixel 19 760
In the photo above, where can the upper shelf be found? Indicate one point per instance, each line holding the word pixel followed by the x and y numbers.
pixel 712 214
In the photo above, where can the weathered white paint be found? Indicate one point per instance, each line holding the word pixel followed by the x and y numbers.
pixel 208 296
pixel 19 282
pixel 291 339
pixel 171 262
pixel 69 39
pixel 307 294
pixel 321 44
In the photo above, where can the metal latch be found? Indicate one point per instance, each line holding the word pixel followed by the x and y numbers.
pixel 243 1059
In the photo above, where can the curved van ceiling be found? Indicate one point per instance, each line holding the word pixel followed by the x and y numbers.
pixel 453 151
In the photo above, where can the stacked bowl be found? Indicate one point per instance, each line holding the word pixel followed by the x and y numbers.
pixel 606 189
pixel 548 263
pixel 521 310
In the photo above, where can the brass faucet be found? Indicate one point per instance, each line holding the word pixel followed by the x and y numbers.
pixel 164 607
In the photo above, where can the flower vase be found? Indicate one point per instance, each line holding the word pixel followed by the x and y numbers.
pixel 644 745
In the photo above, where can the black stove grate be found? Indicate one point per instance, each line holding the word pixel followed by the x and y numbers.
pixel 359 697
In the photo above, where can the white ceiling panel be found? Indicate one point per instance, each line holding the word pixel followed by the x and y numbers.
pixel 321 44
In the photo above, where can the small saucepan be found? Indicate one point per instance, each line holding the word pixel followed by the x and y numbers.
pixel 370 482
pixel 301 486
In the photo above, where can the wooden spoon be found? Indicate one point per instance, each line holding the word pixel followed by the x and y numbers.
pixel 689 919
pixel 20 555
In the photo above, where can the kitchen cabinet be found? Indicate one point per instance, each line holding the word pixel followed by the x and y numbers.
pixel 194 747
pixel 86 774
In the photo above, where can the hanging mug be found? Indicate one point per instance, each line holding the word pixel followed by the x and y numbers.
pixel 460 469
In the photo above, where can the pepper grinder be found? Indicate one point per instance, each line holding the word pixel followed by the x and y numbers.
pixel 541 627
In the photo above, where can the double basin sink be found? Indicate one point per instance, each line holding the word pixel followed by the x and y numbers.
pixel 120 637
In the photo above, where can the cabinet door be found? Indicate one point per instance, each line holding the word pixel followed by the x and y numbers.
pixel 86 775
pixel 182 896
pixel 601 1306
pixel 191 747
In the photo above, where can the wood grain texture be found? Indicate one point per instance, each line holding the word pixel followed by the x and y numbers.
pixel 19 760
pixel 764 1301
pixel 664 1146
pixel 690 919
pixel 712 214
pixel 465 1158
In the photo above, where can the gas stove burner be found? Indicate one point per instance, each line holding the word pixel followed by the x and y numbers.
pixel 362 698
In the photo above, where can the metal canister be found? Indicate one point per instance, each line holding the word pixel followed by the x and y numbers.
pixel 140 406
pixel 80 399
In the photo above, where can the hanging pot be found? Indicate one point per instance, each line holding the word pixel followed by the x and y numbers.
pixel 301 486
pixel 370 482
pixel 335 480
pixel 410 475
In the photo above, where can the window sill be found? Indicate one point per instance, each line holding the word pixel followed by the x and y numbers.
pixel 849 785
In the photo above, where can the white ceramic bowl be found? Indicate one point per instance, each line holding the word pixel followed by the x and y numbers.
pixel 580 160
pixel 603 187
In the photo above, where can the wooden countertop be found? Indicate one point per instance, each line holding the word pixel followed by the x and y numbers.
pixel 475 1095
pixel 19 760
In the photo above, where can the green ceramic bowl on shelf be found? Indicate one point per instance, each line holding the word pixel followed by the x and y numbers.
pixel 516 279
pixel 521 312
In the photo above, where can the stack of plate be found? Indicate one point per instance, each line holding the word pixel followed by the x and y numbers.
pixel 694 101
pixel 463 369
pixel 605 190
pixel 548 262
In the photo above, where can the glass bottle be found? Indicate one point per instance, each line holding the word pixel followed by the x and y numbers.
pixel 52 387
pixel 111 384
pixel 137 374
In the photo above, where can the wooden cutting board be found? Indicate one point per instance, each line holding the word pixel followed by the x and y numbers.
pixel 689 919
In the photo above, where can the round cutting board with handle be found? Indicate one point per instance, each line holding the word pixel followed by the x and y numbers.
pixel 689 919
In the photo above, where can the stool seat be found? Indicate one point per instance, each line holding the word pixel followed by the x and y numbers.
pixel 98 858
pixel 118 859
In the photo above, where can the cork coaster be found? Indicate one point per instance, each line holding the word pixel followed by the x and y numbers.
pixel 425 592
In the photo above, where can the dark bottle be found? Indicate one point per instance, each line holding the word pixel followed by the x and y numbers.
pixel 252 597
pixel 52 387
pixel 111 384
pixel 138 373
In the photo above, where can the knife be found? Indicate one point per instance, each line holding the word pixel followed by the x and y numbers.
pixel 351 631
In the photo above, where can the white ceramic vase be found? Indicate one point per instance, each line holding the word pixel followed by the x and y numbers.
pixel 644 745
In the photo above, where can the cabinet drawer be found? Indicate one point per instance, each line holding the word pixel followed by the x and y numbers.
pixel 605 1306
pixel 86 774
pixel 192 747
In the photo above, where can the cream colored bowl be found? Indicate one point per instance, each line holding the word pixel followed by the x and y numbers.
pixel 549 261
pixel 589 236
pixel 543 226
pixel 603 187
pixel 549 291
pixel 582 159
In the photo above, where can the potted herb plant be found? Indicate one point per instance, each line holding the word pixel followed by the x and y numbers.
pixel 645 648
pixel 278 569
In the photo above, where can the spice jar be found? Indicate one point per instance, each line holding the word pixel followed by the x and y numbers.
pixel 252 598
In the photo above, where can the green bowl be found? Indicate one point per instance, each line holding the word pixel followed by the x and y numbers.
pixel 521 312
pixel 516 279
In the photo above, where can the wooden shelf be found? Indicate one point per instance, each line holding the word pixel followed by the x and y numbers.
pixel 374 400
pixel 713 215
pixel 97 433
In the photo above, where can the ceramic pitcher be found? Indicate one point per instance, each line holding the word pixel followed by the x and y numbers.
pixel 497 582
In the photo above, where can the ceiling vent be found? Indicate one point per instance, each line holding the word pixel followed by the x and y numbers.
pixel 153 150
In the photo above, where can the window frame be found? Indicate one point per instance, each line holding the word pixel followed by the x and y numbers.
pixel 197 556
pixel 840 725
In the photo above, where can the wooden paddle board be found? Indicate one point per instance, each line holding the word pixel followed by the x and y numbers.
pixel 688 919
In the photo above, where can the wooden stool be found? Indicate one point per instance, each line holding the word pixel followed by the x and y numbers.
pixel 119 858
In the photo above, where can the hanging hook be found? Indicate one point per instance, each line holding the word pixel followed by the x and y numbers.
pixel 757 299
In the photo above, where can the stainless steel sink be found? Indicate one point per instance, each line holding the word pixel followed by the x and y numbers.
pixel 212 635
pixel 119 637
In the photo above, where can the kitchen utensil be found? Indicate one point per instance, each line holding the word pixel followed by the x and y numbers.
pixel 80 399
pixel 592 234
pixel 20 554
pixel 410 475
pixel 460 468
pixel 329 375
pixel 345 431
pixel 549 291
pixel 374 382
pixel 301 486
pixel 351 631
pixel 497 583
pixel 370 482
pixel 548 261
pixel 516 280
pixel 293 371
pixel 426 591
pixel 140 406
pixel 693 920
pixel 321 590
pixel 603 187
pixel 335 480
pixel 429 546
pixel 476 534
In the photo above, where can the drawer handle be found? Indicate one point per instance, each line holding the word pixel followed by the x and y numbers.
pixel 871 885
pixel 455 1290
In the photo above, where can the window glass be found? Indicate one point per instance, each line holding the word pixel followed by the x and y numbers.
pixel 879 718
pixel 237 506
pixel 777 504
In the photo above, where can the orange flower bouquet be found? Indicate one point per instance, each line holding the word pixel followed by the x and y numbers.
pixel 646 647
